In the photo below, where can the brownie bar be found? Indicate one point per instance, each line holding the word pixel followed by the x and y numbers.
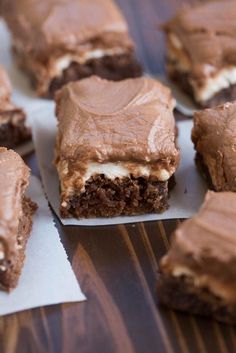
pixel 13 130
pixel 70 44
pixel 116 152
pixel 214 138
pixel 225 95
pixel 184 296
pixel 104 197
pixel 10 271
pixel 116 67
pixel 198 273
pixel 204 170
pixel 201 48
pixel 16 212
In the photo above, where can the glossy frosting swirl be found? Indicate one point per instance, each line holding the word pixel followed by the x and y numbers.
pixel 105 121
pixel 42 26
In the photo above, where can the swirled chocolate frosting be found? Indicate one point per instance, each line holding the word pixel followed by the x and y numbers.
pixel 58 25
pixel 103 121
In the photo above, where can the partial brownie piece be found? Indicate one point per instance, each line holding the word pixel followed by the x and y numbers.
pixel 201 56
pixel 214 137
pixel 58 41
pixel 16 213
pixel 116 149
pixel 198 274
pixel 13 130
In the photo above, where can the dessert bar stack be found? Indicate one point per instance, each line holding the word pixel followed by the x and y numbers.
pixel 16 212
pixel 58 41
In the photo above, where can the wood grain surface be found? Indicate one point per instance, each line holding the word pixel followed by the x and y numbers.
pixel 117 266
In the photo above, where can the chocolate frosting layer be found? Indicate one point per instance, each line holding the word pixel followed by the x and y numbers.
pixel 14 175
pixel 42 26
pixel 206 246
pixel 214 137
pixel 207 33
pixel 130 120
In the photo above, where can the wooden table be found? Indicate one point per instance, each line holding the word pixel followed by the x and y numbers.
pixel 117 267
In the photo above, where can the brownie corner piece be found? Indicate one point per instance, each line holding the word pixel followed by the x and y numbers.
pixel 16 212
pixel 197 275
pixel 13 128
pixel 214 138
pixel 183 296
pixel 73 46
pixel 117 162
pixel 201 51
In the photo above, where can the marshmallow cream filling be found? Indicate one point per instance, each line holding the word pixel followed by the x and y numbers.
pixel 65 61
pixel 119 170
pixel 215 80
pixel 109 170
pixel 206 281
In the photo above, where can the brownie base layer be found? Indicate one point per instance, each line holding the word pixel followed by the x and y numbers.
pixel 9 278
pixel 116 68
pixel 13 130
pixel 181 294
pixel 204 171
pixel 104 197
pixel 225 95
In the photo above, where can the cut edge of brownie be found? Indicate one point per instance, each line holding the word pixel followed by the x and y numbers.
pixel 9 277
pixel 113 67
pixel 129 196
pixel 181 294
pixel 182 80
pixel 203 169
pixel 13 130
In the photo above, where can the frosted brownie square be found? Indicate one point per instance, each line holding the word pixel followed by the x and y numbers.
pixel 58 41
pixel 116 150
pixel 198 274
pixel 201 51
pixel 13 129
pixel 214 137
pixel 16 211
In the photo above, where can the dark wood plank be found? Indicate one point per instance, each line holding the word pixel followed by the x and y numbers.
pixel 117 266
